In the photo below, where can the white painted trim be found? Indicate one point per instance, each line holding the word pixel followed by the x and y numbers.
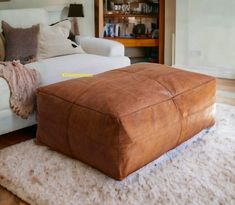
pixel 216 72
pixel 173 49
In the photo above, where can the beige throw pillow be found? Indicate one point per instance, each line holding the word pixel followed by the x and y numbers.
pixel 2 47
pixel 53 41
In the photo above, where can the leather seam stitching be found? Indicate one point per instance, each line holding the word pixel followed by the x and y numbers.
pixel 79 105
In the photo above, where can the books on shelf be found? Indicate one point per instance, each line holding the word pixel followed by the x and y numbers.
pixel 130 30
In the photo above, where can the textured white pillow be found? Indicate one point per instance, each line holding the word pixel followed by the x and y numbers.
pixel 53 41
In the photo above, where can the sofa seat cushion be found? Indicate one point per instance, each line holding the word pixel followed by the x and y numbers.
pixel 51 70
pixel 120 120
pixel 4 94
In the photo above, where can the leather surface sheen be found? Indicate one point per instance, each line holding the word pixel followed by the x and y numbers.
pixel 120 120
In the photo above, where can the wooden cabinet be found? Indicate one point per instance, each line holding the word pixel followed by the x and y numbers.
pixel 135 23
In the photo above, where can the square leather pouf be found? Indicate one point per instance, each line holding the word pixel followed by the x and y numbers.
pixel 120 120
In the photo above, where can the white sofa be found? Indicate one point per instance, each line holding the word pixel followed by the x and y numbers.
pixel 101 55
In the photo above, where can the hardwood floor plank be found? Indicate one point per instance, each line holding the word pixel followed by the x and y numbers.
pixel 225 100
pixel 226 88
pixel 226 91
pixel 227 82
pixel 7 198
pixel 17 136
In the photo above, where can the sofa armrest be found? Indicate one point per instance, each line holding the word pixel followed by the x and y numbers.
pixel 99 46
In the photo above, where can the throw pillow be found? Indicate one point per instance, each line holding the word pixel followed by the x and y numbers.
pixel 21 43
pixel 2 47
pixel 53 41
pixel 71 35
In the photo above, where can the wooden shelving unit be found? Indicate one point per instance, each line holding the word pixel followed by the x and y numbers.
pixel 133 42
pixel 129 15
pixel 102 16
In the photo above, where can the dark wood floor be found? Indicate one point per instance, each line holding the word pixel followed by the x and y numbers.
pixel 225 94
pixel 17 137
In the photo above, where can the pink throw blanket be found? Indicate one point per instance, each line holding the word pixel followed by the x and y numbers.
pixel 23 83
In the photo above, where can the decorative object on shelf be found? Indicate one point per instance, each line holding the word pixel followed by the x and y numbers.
pixel 139 30
pixel 117 30
pixel 75 10
pixel 126 8
pixel 109 30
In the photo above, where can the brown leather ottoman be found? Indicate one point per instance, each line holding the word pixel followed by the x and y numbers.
pixel 120 120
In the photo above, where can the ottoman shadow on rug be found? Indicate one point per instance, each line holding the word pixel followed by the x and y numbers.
pixel 200 171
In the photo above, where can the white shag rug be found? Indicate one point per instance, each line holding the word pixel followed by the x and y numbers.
pixel 201 171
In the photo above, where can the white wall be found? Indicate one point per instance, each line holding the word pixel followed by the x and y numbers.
pixel 205 36
pixel 170 8
pixel 55 8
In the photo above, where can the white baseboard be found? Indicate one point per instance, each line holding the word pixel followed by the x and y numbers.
pixel 216 72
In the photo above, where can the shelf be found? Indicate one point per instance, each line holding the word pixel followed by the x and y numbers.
pixel 106 12
pixel 133 42
pixel 118 15
pixel 139 1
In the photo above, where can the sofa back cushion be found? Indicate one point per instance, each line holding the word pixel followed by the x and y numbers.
pixel 53 41
pixel 21 43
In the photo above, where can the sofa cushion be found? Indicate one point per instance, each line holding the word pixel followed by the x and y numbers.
pixel 101 46
pixel 51 70
pixel 2 47
pixel 71 35
pixel 21 43
pixel 53 41
pixel 4 94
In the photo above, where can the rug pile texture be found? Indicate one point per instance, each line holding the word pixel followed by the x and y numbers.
pixel 201 171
